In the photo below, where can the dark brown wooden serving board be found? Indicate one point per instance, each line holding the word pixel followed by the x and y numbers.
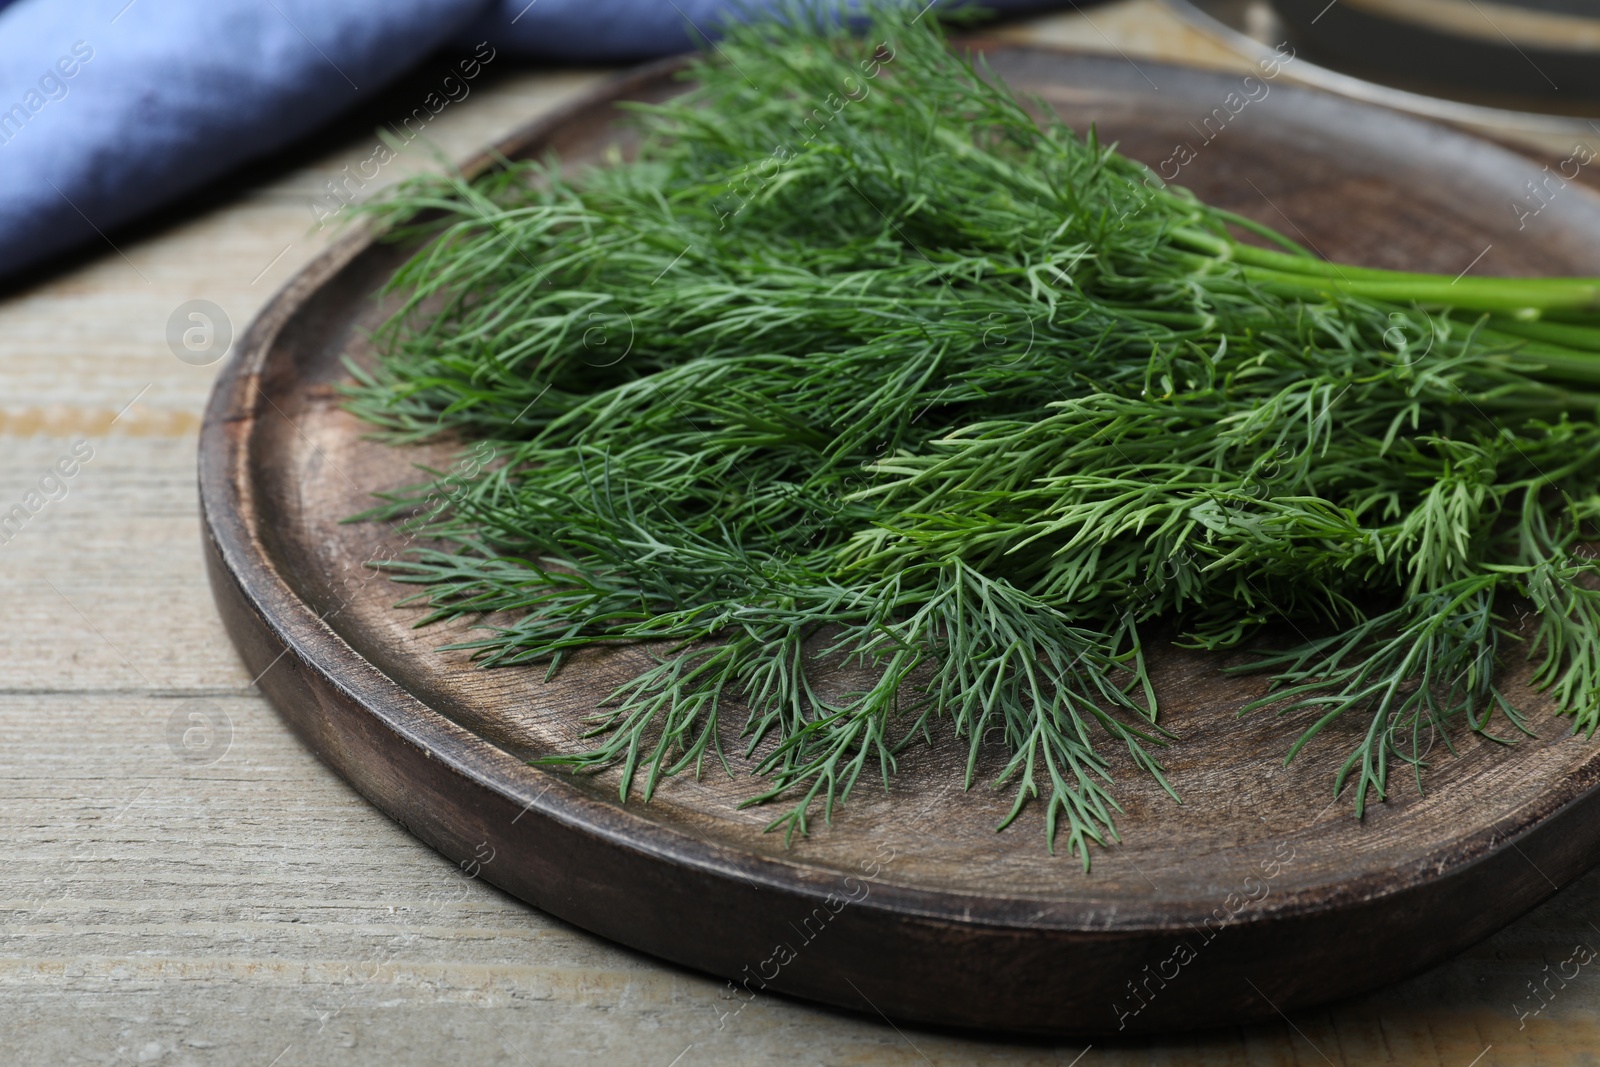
pixel 1258 894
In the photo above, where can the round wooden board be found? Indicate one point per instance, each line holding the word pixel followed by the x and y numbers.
pixel 1258 894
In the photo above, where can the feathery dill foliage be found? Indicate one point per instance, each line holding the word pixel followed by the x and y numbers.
pixel 957 406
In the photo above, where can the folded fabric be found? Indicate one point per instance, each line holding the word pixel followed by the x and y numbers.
pixel 112 108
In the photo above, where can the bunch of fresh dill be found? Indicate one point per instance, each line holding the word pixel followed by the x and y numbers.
pixel 876 406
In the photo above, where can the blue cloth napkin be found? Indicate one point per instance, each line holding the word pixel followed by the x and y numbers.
pixel 112 108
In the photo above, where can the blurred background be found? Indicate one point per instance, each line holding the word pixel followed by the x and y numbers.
pixel 114 109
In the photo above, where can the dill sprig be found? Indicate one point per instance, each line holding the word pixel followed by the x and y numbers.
pixel 923 413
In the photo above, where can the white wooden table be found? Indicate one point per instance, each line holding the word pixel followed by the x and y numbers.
pixel 183 883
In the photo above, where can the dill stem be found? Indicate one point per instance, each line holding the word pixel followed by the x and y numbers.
pixel 1290 274
pixel 1507 295
pixel 1567 335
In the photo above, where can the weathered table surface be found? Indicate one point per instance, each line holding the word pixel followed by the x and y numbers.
pixel 185 884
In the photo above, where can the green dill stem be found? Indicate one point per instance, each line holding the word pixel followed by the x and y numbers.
pixel 1566 335
pixel 1546 362
pixel 1512 295
pixel 1289 273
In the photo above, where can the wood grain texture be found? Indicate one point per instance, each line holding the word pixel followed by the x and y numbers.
pixel 258 910
pixel 1258 895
